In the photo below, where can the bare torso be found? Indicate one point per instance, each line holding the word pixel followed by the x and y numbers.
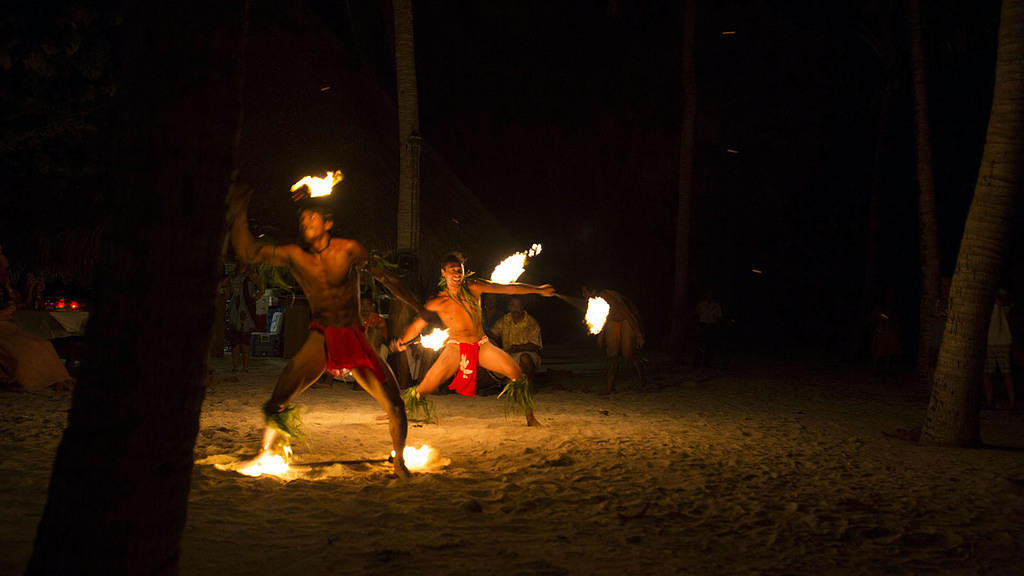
pixel 454 310
pixel 330 281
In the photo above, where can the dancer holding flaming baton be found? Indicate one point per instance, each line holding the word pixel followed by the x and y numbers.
pixel 327 269
pixel 467 348
pixel 620 335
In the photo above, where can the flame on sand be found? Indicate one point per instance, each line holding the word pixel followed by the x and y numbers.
pixel 435 340
pixel 417 458
pixel 597 313
pixel 319 186
pixel 268 463
pixel 511 268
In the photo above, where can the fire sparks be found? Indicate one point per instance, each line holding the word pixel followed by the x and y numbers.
pixel 417 458
pixel 268 463
pixel 511 268
pixel 435 340
pixel 319 186
pixel 597 312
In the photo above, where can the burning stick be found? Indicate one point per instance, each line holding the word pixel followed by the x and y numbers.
pixel 269 463
pixel 511 268
pixel 435 340
pixel 417 458
pixel 319 186
pixel 597 313
pixel 577 303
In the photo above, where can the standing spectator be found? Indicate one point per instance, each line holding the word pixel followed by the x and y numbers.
pixel 709 324
pixel 375 328
pixel 520 336
pixel 885 338
pixel 242 312
pixel 34 288
pixel 997 350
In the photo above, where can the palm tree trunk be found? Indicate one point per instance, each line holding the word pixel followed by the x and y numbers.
pixel 952 417
pixel 408 131
pixel 680 305
pixel 119 489
pixel 927 220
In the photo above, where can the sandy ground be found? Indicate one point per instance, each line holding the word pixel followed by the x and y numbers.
pixel 759 469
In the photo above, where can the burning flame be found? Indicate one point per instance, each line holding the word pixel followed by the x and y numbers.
pixel 268 463
pixel 435 340
pixel 511 268
pixel 319 186
pixel 597 312
pixel 417 458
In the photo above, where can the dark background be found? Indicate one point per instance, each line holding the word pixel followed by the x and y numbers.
pixel 559 123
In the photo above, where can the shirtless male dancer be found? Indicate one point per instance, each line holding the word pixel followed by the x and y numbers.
pixel 621 336
pixel 327 269
pixel 467 348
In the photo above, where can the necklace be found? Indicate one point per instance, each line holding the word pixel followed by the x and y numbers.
pixel 320 251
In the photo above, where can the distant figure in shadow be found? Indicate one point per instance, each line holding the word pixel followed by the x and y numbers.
pixel 885 336
pixel 242 311
pixel 621 337
pixel 709 330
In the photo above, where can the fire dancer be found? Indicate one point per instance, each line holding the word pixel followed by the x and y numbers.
pixel 327 269
pixel 458 305
pixel 622 336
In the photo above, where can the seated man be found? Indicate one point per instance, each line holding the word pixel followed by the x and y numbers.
pixel 520 336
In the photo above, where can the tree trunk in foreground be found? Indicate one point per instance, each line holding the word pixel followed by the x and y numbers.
pixel 952 417
pixel 408 131
pixel 928 225
pixel 680 300
pixel 119 489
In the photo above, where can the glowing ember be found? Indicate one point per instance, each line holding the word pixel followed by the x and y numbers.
pixel 597 312
pixel 435 340
pixel 417 458
pixel 511 268
pixel 268 463
pixel 319 186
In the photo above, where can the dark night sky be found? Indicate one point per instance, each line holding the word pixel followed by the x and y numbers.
pixel 563 119
pixel 566 119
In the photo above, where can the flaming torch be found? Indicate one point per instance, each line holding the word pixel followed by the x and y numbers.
pixel 269 463
pixel 435 340
pixel 597 313
pixel 417 458
pixel 511 268
pixel 319 186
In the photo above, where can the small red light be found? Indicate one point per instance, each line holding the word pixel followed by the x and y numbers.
pixel 74 304
pixel 61 304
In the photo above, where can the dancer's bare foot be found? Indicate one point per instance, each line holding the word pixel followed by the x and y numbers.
pixel 401 471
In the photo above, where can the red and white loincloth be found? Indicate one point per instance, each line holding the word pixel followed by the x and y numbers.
pixel 469 360
pixel 347 348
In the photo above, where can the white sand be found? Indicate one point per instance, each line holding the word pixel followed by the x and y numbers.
pixel 755 471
